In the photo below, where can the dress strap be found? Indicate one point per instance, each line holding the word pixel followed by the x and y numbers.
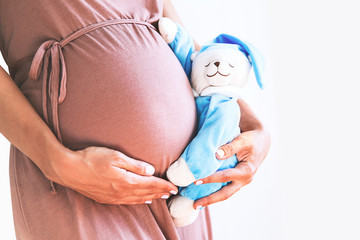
pixel 49 66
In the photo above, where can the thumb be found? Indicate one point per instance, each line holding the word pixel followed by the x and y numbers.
pixel 230 149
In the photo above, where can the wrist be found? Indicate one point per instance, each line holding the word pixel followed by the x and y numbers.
pixel 58 157
pixel 248 120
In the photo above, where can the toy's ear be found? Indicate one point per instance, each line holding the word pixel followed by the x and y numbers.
pixel 193 55
pixel 254 56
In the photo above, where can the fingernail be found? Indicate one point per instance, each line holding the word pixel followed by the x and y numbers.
pixel 149 170
pixel 220 152
pixel 198 207
pixel 165 197
pixel 148 202
pixel 173 192
pixel 199 182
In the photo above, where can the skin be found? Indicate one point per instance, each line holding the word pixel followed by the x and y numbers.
pixel 105 175
pixel 170 12
pixel 102 174
pixel 250 147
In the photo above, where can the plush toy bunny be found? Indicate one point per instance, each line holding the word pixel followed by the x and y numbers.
pixel 217 72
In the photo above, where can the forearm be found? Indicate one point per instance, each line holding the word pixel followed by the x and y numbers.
pixel 170 12
pixel 248 121
pixel 99 173
pixel 24 128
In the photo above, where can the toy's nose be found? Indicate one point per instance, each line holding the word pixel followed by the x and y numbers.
pixel 217 64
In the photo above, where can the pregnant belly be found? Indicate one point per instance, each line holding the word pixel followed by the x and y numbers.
pixel 127 91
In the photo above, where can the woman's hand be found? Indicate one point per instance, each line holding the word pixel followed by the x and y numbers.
pixel 105 175
pixel 108 176
pixel 250 147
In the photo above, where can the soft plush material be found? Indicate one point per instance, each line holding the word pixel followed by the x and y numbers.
pixel 217 73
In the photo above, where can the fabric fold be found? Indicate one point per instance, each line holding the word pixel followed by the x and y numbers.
pixel 49 66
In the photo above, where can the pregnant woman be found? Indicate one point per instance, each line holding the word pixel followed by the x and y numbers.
pixel 97 107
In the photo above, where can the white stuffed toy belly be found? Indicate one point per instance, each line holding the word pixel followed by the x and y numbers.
pixel 217 73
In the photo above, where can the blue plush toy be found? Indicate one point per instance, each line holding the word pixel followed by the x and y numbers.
pixel 217 72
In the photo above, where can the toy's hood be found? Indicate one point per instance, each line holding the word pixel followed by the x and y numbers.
pixel 254 56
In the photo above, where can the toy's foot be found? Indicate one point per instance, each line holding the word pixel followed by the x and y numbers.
pixel 182 211
pixel 182 222
pixel 180 174
pixel 167 29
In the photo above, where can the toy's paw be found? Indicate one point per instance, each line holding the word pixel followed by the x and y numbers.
pixel 167 29
pixel 182 211
pixel 180 174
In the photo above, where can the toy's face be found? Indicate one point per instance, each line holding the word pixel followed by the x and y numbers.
pixel 218 67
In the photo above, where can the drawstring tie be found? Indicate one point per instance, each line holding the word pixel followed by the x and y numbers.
pixel 49 66
pixel 53 79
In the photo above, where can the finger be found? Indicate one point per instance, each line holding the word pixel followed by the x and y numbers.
pixel 136 197
pixel 236 146
pixel 243 172
pixel 220 177
pixel 146 198
pixel 221 195
pixel 133 165
pixel 145 193
pixel 150 183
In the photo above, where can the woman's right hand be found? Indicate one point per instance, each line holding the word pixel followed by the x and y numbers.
pixel 110 177
pixel 102 174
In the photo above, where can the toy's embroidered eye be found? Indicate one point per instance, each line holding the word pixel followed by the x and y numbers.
pixel 207 65
pixel 231 65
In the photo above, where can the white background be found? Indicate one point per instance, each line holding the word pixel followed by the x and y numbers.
pixel 308 187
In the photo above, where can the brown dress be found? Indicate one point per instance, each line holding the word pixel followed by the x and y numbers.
pixel 99 74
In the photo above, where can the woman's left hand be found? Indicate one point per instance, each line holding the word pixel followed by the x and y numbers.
pixel 251 148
